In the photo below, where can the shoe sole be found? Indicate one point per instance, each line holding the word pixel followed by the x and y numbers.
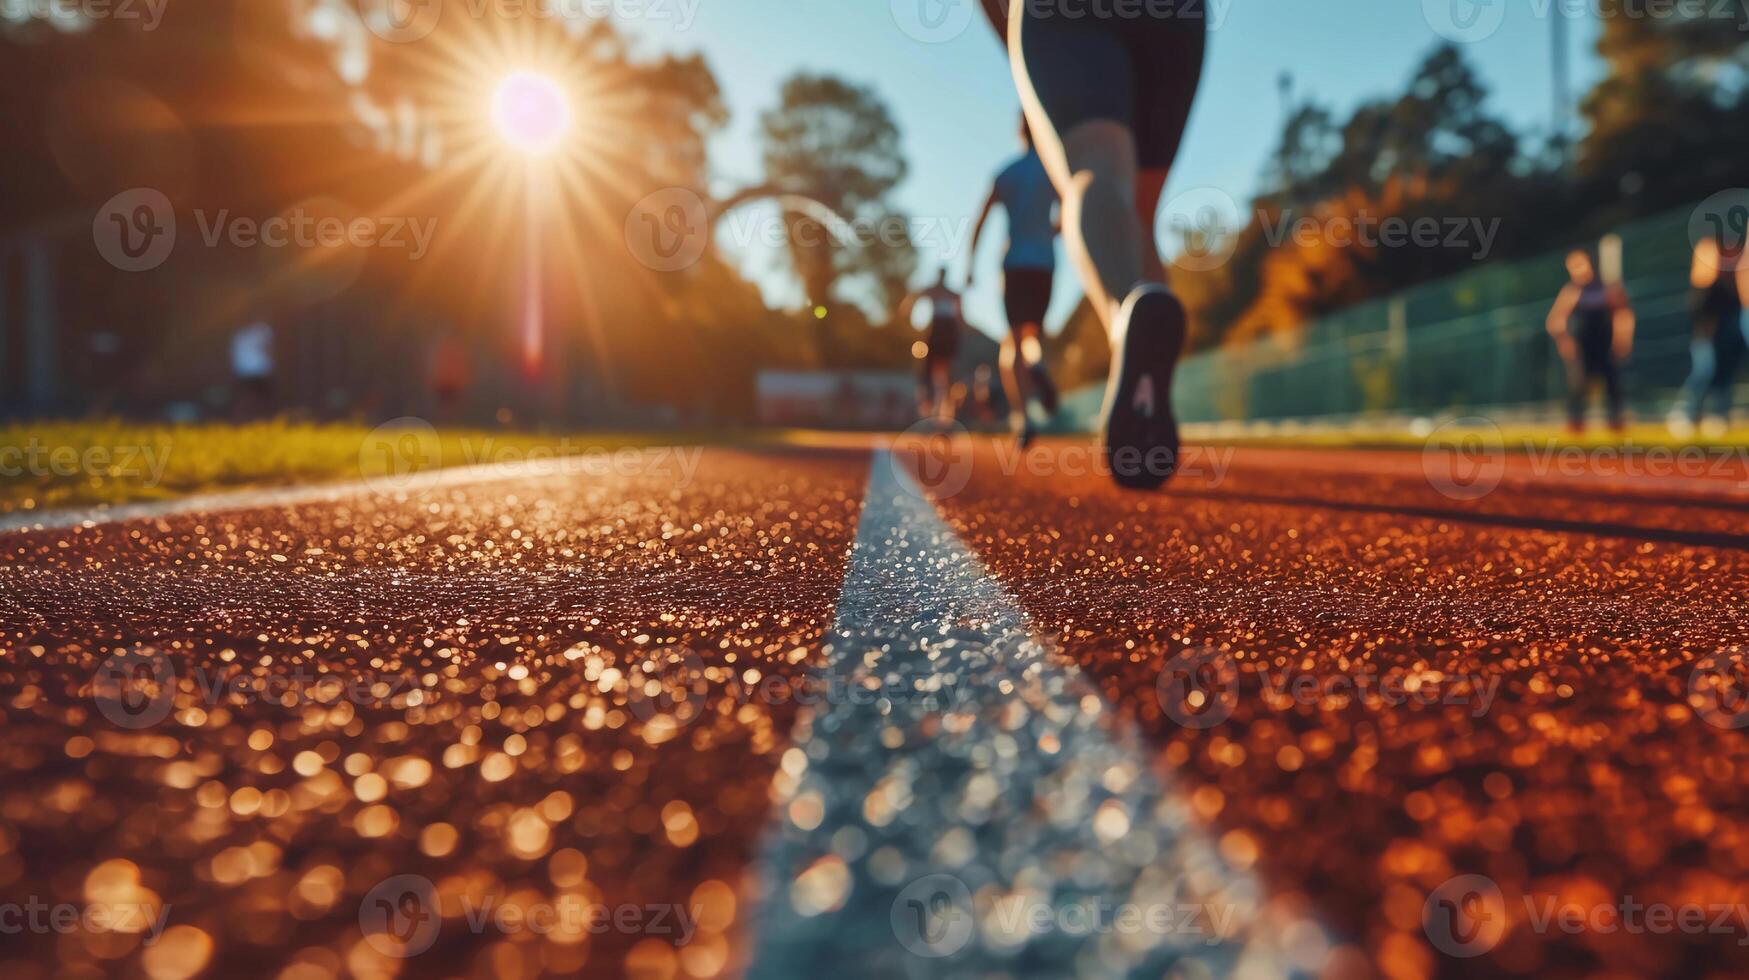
pixel 1153 324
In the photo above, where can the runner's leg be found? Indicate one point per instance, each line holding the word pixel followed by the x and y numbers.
pixel 1107 103
pixel 1016 381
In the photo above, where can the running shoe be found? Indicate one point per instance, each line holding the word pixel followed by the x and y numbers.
pixel 1141 435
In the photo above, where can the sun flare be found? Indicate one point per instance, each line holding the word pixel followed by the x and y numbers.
pixel 531 111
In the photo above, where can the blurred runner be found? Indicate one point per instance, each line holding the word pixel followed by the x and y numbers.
pixel 1108 99
pixel 1023 189
pixel 450 376
pixel 935 399
pixel 1593 328
pixel 1718 343
pixel 252 371
pixel 983 396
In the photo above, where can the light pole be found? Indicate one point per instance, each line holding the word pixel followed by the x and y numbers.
pixel 1560 133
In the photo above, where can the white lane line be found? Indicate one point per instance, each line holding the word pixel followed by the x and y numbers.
pixel 980 810
pixel 234 500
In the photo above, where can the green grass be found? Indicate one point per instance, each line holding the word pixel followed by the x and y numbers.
pixel 46 465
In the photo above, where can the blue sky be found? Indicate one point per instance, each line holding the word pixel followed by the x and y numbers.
pixel 954 98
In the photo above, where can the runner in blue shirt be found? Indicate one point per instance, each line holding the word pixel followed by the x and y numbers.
pixel 1024 191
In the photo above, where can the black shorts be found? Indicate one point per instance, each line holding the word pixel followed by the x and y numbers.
pixel 1135 62
pixel 1027 295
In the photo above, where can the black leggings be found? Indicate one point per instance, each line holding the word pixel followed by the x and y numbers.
pixel 1134 62
pixel 1595 363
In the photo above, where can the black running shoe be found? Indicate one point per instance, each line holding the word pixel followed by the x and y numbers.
pixel 1141 436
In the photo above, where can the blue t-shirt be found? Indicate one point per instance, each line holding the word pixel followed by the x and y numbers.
pixel 1024 190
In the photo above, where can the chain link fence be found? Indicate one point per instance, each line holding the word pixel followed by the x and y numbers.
pixel 1469 344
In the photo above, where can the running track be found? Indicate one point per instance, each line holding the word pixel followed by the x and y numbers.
pixel 847 708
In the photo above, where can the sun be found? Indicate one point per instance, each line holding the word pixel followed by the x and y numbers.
pixel 531 111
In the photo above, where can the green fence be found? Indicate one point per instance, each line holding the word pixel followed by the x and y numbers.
pixel 1472 341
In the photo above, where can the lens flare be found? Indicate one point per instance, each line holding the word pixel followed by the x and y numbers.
pixel 531 111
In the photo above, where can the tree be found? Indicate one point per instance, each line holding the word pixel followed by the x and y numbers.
pixel 836 143
pixel 1667 124
pixel 1433 151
